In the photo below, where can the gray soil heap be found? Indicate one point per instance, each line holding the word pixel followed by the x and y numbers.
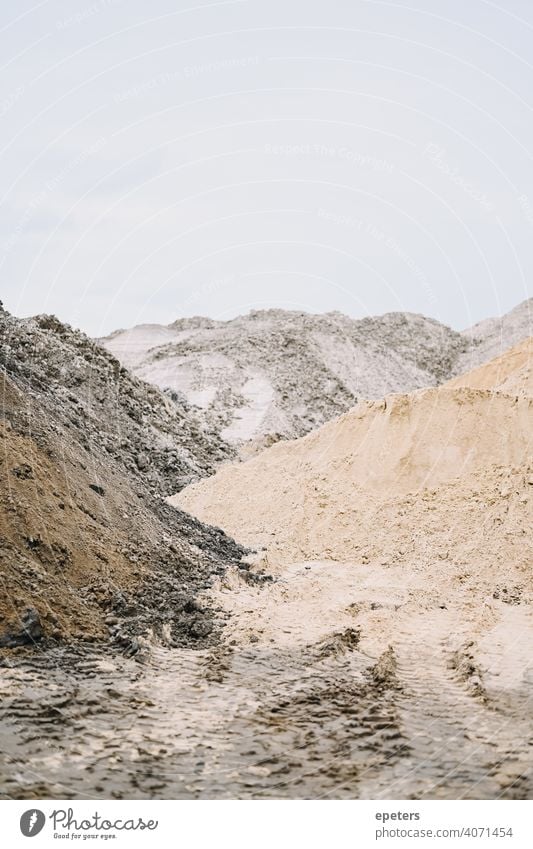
pixel 276 374
pixel 88 546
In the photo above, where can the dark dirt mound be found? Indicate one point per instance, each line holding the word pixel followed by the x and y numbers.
pixel 103 406
pixel 88 546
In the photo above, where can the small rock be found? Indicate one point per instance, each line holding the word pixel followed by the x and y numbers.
pixel 24 471
pixel 142 462
pixel 200 628
pixel 97 488
pixel 192 606
pixel 111 620
pixel 384 671
pixel 30 631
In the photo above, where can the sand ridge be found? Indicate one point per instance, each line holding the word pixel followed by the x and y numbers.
pixel 511 372
pixel 316 497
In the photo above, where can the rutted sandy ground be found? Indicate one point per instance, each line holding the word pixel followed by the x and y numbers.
pixel 333 680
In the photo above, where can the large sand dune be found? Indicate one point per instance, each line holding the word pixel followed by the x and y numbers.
pixel 313 497
pixel 398 541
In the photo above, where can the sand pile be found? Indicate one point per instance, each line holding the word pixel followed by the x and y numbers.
pixel 278 374
pixel 437 472
pixel 400 672
pixel 511 373
pixel 494 336
pixel 275 373
pixel 398 546
pixel 87 544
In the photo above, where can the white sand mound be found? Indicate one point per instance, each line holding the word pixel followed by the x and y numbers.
pixel 279 374
pixel 375 479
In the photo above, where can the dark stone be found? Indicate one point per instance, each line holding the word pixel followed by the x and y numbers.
pixel 96 488
pixel 201 628
pixel 192 606
pixel 30 631
pixel 24 471
pixel 142 462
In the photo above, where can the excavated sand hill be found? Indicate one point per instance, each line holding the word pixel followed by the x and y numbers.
pixel 277 374
pixel 316 497
pixel 394 633
pixel 105 407
pixel 396 664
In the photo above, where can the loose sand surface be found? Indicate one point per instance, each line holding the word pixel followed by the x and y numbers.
pixel 398 538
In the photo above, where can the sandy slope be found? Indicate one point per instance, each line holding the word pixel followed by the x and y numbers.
pixel 314 497
pixel 492 337
pixel 511 372
pixel 399 541
pixel 86 452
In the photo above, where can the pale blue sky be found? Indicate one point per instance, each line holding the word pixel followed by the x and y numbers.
pixel 177 158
